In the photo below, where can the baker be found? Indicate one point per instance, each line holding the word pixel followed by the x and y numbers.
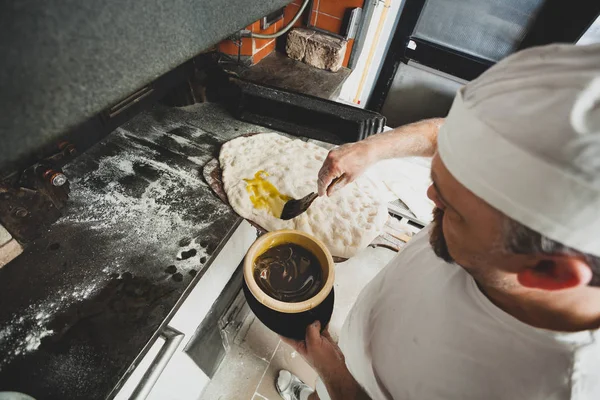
pixel 499 298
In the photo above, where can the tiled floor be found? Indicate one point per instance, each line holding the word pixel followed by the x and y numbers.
pixel 249 369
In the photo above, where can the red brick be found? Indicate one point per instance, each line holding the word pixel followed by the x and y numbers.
pixel 259 55
pixel 228 47
pixel 289 12
pixel 260 43
pixel 328 23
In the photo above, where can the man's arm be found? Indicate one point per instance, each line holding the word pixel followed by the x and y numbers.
pixel 343 386
pixel 325 356
pixel 350 160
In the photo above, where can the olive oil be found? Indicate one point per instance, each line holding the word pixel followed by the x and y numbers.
pixel 263 194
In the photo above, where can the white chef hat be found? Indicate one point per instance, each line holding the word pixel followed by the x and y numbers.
pixel 525 137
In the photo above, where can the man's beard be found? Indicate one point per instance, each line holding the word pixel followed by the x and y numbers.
pixel 436 238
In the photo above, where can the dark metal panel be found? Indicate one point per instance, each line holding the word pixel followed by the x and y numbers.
pixel 556 21
pixel 418 93
pixel 303 115
pixel 489 29
pixel 65 61
pixel 561 21
pixel 458 64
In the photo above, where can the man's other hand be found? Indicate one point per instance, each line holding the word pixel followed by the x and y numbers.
pixel 324 355
pixel 319 350
pixel 346 162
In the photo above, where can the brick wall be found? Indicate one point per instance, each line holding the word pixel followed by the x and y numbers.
pixel 327 15
pixel 253 50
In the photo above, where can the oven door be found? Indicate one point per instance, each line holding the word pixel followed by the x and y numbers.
pixel 168 370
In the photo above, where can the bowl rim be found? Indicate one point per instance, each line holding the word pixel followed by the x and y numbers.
pixel 279 305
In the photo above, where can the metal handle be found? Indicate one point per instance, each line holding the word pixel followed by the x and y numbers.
pixel 172 339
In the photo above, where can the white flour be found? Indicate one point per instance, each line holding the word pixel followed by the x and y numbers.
pixel 197 160
pixel 34 339
pixel 144 218
pixel 25 331
pixel 181 140
pixel 126 166
pixel 147 219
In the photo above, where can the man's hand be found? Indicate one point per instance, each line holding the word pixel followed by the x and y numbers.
pixel 325 356
pixel 319 350
pixel 346 162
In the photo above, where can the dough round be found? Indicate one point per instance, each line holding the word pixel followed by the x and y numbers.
pixel 346 222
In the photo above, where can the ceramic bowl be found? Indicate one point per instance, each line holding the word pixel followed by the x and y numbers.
pixel 290 319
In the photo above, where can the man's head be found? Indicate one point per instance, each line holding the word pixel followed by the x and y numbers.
pixel 496 250
pixel 516 180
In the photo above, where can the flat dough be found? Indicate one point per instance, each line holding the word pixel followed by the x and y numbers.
pixel 346 222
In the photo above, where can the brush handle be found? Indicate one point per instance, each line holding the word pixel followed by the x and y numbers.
pixel 313 196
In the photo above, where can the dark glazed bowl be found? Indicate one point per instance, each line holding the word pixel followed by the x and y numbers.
pixel 290 319
pixel 292 326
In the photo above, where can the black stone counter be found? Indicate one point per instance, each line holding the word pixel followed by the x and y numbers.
pixel 81 303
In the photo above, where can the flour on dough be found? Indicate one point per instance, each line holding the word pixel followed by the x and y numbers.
pixel 346 222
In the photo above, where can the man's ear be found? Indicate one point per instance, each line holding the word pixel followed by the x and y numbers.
pixel 556 273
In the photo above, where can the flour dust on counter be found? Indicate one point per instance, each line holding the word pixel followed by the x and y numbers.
pixel 25 330
pixel 147 201
pixel 82 301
